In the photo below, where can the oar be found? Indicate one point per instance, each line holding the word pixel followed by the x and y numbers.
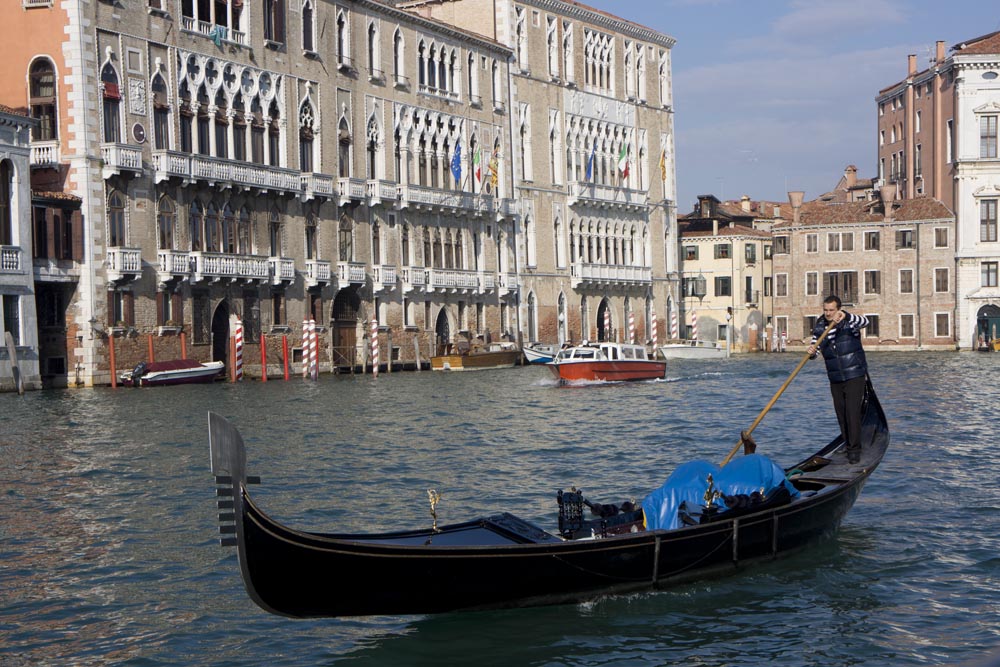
pixel 777 395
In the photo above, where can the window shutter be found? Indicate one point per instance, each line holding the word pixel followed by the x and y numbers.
pixel 111 91
pixel 76 225
pixel 50 235
pixel 178 309
pixel 279 21
pixel 159 307
pixel 129 307
pixel 111 309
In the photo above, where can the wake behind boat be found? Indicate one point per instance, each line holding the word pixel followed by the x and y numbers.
pixel 503 561
pixel 611 362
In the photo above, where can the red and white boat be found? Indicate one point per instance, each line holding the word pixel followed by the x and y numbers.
pixel 175 371
pixel 610 362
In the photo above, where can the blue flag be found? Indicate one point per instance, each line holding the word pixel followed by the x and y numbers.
pixel 456 162
pixel 590 162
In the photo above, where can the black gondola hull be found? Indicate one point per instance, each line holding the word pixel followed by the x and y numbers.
pixel 502 561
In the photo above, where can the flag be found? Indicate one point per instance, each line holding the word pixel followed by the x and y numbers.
pixel 477 169
pixel 663 165
pixel 456 162
pixel 623 161
pixel 494 169
pixel 590 162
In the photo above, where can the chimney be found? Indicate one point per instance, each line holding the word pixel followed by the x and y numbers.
pixel 912 64
pixel 795 199
pixel 745 203
pixel 888 194
pixel 715 226
pixel 851 176
pixel 939 55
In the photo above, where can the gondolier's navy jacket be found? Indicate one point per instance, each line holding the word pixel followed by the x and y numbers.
pixel 842 351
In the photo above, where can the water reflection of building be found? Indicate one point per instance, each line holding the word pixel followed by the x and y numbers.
pixel 198 162
pixel 17 294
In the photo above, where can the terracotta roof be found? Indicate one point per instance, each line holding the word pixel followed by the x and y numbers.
pixel 53 194
pixel 906 210
pixel 12 111
pixel 728 232
pixel 979 45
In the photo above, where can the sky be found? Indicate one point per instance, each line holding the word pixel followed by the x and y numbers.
pixel 779 95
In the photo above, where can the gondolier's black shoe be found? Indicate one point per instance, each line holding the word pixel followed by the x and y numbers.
pixel 854 455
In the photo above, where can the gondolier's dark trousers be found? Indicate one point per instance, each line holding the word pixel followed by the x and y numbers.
pixel 847 398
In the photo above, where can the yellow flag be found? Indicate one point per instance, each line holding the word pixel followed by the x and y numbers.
pixel 663 164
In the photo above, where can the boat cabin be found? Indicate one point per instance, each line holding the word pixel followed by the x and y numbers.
pixel 603 351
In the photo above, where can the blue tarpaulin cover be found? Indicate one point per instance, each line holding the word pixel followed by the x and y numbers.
pixel 690 480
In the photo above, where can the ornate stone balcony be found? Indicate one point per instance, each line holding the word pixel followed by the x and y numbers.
pixel 610 274
pixel 506 283
pixel 413 278
pixel 382 192
pixel 10 259
pixel 123 264
pixel 351 273
pixel 44 154
pixel 384 277
pixel 318 272
pixel 172 265
pixel 352 189
pixel 452 280
pixel 316 185
pixel 225 173
pixel 606 196
pixel 214 266
pixel 120 158
pixel 487 282
pixel 421 197
pixel 282 270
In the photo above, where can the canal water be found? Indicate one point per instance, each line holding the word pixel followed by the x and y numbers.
pixel 109 552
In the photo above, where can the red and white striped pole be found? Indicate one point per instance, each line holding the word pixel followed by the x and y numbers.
pixel 673 322
pixel 607 325
pixel 694 325
pixel 652 318
pixel 375 347
pixel 239 350
pixel 306 349
pixel 631 328
pixel 314 342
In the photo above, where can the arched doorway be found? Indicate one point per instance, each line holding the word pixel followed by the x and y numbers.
pixel 987 326
pixel 220 333
pixel 605 323
pixel 442 331
pixel 345 326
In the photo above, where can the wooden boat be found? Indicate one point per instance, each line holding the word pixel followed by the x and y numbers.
pixel 504 561
pixel 694 349
pixel 175 371
pixel 463 358
pixel 540 353
pixel 612 362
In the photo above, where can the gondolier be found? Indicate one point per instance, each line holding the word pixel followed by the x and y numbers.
pixel 846 367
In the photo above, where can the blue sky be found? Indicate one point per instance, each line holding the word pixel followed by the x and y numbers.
pixel 778 95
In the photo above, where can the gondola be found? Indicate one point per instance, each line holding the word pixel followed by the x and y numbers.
pixel 502 561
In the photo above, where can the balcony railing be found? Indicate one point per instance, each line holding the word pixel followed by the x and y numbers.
pixel 213 31
pixel 282 270
pixel 123 263
pixel 422 197
pixel 611 274
pixel 120 157
pixel 10 259
pixel 352 189
pixel 214 266
pixel 507 283
pixel 318 272
pixel 172 265
pixel 215 171
pixel 413 278
pixel 452 280
pixel 384 277
pixel 595 194
pixel 44 153
pixel 351 272
pixel 487 282
pixel 381 192
pixel 316 185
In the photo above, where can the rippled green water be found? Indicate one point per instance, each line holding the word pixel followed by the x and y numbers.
pixel 108 550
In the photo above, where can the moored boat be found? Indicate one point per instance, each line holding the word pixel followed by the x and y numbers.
pixel 694 349
pixel 503 561
pixel 610 362
pixel 540 353
pixel 462 358
pixel 175 371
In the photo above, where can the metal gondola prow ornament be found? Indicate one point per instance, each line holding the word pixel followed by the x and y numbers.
pixel 229 467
